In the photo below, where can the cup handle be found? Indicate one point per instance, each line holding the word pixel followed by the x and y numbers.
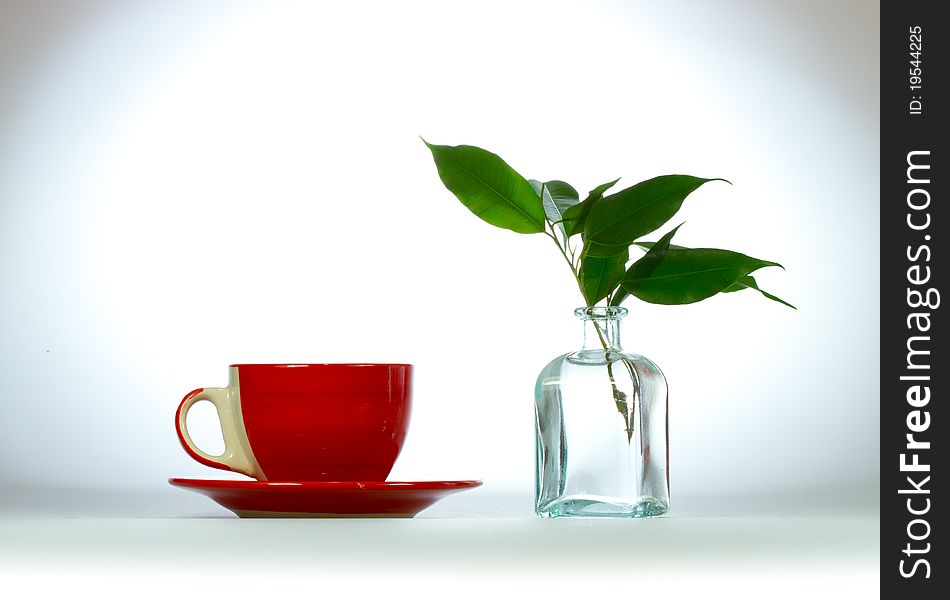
pixel 237 454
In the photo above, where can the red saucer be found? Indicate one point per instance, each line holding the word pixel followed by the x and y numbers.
pixel 347 499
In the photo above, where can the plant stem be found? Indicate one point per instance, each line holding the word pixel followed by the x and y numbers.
pixel 619 397
pixel 570 265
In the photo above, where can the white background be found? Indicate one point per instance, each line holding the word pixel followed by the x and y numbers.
pixel 187 185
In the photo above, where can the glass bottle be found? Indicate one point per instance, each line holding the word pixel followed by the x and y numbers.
pixel 601 424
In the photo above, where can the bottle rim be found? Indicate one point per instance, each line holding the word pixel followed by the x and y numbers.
pixel 600 313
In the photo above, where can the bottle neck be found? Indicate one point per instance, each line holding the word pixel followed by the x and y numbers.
pixel 601 335
pixel 601 327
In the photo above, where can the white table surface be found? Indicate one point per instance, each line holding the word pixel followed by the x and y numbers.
pixel 174 542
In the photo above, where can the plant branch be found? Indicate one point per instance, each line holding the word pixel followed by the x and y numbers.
pixel 570 265
pixel 620 398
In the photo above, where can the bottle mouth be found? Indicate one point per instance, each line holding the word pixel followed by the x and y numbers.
pixel 600 313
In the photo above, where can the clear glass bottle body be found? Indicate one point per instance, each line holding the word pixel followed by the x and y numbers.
pixel 601 425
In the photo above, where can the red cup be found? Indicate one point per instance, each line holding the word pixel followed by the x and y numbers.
pixel 322 422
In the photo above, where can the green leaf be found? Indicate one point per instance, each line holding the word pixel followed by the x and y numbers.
pixel 600 275
pixel 620 294
pixel 491 189
pixel 620 218
pixel 743 283
pixel 576 216
pixel 647 263
pixel 748 282
pixel 687 275
pixel 558 196
pixel 648 245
